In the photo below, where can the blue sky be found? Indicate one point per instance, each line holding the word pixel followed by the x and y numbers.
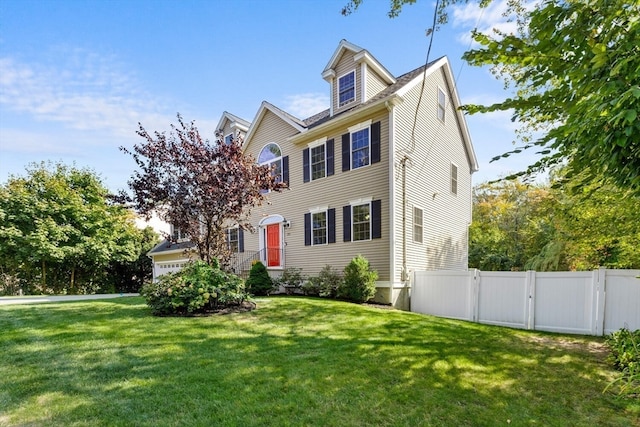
pixel 76 76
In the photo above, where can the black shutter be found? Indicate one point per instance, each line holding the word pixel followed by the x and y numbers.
pixel 346 222
pixel 346 152
pixel 285 170
pixel 376 219
pixel 375 142
pixel 240 240
pixel 307 229
pixel 331 225
pixel 305 165
pixel 330 152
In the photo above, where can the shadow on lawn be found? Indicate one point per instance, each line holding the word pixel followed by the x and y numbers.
pixel 295 361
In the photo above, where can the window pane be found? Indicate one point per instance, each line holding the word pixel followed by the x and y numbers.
pixel 346 86
pixel 317 162
pixel 454 179
pixel 360 148
pixel 268 153
pixel 233 239
pixel 417 225
pixel 319 221
pixel 361 222
pixel 442 102
pixel 277 169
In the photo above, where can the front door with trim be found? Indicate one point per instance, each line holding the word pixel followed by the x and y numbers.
pixel 273 245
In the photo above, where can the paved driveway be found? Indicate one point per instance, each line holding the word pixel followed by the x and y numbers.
pixel 58 298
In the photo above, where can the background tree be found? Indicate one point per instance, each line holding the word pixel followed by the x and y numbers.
pixel 200 187
pixel 545 227
pixel 130 276
pixel 575 69
pixel 59 232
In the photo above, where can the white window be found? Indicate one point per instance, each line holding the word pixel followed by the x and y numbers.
pixel 442 103
pixel 318 162
pixel 178 235
pixel 417 225
pixel 233 239
pixel 347 88
pixel 319 228
pixel 454 179
pixel 360 145
pixel 361 221
pixel 271 155
pixel 228 139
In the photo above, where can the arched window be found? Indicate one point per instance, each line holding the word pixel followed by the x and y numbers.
pixel 271 155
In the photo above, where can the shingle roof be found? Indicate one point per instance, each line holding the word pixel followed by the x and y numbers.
pixel 322 117
pixel 166 245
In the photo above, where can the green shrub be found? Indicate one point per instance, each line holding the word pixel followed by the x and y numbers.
pixel 624 347
pixel 259 281
pixel 291 279
pixel 198 287
pixel 359 283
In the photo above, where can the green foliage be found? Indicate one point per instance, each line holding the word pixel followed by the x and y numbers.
pixel 325 284
pixel 359 283
pixel 130 276
pixel 291 279
pixel 197 288
pixel 259 281
pixel 547 227
pixel 624 346
pixel 575 67
pixel 59 231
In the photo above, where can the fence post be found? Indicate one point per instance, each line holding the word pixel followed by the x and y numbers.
pixel 530 308
pixel 475 294
pixel 599 297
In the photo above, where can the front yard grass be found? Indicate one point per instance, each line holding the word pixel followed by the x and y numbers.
pixel 293 362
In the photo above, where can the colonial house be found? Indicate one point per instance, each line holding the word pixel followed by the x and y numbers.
pixel 384 172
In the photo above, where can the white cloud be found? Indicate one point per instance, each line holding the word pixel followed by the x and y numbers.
pixel 83 92
pixel 306 104
pixel 485 20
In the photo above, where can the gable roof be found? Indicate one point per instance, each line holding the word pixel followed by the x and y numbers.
pixel 361 55
pixel 293 121
pixel 236 122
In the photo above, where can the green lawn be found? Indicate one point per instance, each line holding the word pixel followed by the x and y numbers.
pixel 293 361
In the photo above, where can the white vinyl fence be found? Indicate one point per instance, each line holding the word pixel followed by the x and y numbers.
pixel 588 303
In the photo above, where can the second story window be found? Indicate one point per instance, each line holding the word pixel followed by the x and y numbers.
pixel 228 139
pixel 347 88
pixel 272 156
pixel 178 235
pixel 318 163
pixel 360 148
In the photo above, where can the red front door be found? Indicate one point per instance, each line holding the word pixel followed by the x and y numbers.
pixel 273 245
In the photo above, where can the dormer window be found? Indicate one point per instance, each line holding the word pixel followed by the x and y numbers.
pixel 347 88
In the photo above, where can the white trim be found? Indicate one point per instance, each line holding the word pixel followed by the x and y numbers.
pixel 326 228
pixel 361 201
pixel 364 57
pixel 317 142
pixel 392 193
pixel 317 209
pixel 271 219
pixel 368 203
pixel 360 126
pixel 452 165
pixel 363 82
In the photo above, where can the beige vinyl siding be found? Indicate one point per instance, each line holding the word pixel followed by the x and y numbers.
pixel 175 256
pixel 345 65
pixel 374 84
pixel 334 191
pixel 446 216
